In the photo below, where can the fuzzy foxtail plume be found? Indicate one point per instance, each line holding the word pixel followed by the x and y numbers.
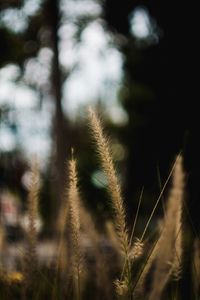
pixel 114 190
pixel 73 198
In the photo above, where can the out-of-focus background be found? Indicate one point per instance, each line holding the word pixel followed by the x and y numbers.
pixel 133 60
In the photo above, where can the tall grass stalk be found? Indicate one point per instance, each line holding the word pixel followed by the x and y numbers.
pixel 73 198
pixel 114 190
pixel 158 200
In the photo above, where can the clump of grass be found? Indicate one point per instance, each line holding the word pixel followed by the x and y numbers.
pixel 169 248
pixel 162 263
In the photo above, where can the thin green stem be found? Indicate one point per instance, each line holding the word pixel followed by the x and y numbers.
pixel 158 200
pixel 136 216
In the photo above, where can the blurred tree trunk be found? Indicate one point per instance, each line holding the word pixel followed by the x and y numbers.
pixel 58 120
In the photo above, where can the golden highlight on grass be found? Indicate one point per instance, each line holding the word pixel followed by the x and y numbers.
pixel 73 198
pixel 121 286
pixel 137 249
pixel 114 189
pixel 179 183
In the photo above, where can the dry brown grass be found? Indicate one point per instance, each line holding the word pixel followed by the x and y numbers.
pixel 133 264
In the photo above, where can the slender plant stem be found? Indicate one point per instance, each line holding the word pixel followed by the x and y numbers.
pixel 136 216
pixel 158 200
